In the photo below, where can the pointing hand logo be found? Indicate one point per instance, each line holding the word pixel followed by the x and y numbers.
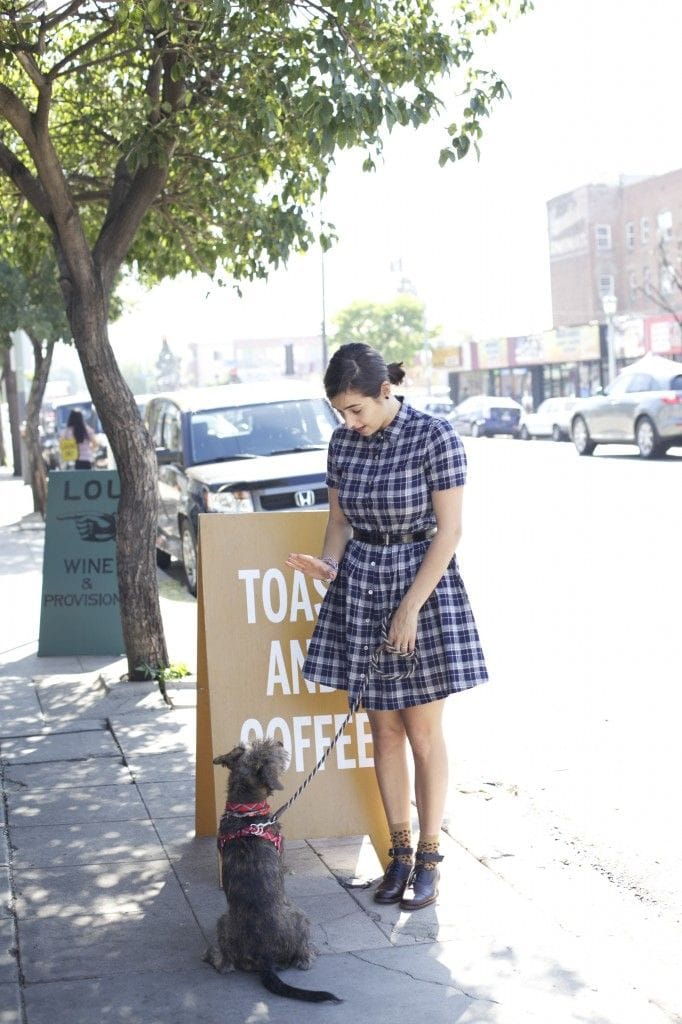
pixel 97 527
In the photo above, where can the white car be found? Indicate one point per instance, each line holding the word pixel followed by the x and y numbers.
pixel 551 419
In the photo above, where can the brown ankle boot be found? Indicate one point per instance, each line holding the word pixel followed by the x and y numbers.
pixel 396 876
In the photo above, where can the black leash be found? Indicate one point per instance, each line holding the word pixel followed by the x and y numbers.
pixel 374 669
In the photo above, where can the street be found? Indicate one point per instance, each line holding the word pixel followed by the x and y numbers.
pixel 569 761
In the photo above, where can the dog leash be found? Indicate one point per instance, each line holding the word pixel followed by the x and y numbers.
pixel 374 669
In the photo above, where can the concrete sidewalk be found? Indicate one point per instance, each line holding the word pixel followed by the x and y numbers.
pixel 108 900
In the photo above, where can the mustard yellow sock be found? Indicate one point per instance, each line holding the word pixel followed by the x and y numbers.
pixel 401 835
pixel 429 844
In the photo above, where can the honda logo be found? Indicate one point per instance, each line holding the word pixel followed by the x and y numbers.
pixel 304 498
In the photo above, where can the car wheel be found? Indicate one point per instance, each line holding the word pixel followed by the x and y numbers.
pixel 189 557
pixel 557 433
pixel 163 559
pixel 581 437
pixel 524 434
pixel 647 439
pixel 475 430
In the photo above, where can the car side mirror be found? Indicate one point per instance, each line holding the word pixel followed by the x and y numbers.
pixel 165 456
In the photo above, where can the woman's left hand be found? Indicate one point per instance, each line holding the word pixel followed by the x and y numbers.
pixel 402 632
pixel 311 566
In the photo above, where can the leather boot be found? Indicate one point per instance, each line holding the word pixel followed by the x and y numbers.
pixel 396 876
pixel 423 884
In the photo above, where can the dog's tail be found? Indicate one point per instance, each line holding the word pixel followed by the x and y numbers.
pixel 274 984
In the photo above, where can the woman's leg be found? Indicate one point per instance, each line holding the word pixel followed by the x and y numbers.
pixel 424 728
pixel 425 734
pixel 390 763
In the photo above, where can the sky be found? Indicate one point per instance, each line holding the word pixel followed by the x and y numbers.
pixel 594 86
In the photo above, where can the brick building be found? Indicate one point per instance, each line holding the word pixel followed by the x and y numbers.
pixel 624 240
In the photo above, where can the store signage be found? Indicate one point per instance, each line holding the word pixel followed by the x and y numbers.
pixel 493 353
pixel 80 611
pixel 256 617
pixel 448 357
pixel 528 350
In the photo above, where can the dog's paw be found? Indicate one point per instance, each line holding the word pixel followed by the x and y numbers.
pixel 305 959
pixel 215 958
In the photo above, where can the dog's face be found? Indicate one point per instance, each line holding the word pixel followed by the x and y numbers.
pixel 257 767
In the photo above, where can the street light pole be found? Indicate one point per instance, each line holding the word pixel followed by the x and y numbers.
pixel 610 305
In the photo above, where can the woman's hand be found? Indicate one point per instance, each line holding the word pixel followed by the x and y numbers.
pixel 402 632
pixel 311 566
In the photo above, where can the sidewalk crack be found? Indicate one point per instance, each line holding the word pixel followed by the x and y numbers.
pixel 426 981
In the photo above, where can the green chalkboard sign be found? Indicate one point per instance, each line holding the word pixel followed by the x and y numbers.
pixel 80 611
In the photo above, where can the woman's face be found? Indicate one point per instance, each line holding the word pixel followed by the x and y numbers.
pixel 364 414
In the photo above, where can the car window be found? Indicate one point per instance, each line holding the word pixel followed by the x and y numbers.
pixel 642 382
pixel 676 383
pixel 171 428
pixel 154 417
pixel 261 429
pixel 620 385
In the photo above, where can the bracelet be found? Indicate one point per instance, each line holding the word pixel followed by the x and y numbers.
pixel 331 562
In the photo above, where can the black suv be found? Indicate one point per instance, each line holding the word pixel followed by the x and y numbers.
pixel 235 448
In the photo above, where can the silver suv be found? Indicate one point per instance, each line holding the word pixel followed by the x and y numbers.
pixel 643 406
pixel 235 448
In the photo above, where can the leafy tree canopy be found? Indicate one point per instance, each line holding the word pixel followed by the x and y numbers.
pixel 241 103
pixel 34 303
pixel 397 329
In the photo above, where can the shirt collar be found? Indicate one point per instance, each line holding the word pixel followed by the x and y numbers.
pixel 390 433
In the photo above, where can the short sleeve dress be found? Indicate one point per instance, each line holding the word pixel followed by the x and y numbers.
pixel 385 483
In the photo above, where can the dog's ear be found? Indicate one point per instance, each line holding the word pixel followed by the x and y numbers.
pixel 269 775
pixel 230 760
pixel 274 763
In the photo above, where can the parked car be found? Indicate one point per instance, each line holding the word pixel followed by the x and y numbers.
pixel 235 448
pixel 435 405
pixel 50 442
pixel 642 406
pixel 485 415
pixel 552 418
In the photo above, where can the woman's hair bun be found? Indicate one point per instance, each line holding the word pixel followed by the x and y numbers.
pixel 396 373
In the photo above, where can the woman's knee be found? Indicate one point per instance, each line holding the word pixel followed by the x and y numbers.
pixel 425 733
pixel 388 732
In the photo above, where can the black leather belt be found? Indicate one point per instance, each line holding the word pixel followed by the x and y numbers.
pixel 375 537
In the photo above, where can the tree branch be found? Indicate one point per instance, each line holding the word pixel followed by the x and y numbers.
pixel 30 187
pixel 66 62
pixel 132 197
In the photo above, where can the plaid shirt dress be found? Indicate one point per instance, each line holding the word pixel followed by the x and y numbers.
pixel 385 483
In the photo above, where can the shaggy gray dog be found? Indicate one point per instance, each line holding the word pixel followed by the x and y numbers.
pixel 261 927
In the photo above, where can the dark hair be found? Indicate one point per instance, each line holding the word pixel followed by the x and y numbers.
pixel 77 424
pixel 359 367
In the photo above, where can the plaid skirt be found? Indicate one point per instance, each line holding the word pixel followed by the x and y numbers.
pixel 362 599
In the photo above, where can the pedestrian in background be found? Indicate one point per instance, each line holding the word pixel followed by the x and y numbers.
pixel 395 477
pixel 78 431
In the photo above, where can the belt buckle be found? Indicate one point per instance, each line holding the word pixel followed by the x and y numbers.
pixel 386 539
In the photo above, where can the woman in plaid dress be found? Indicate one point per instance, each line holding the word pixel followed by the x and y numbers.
pixel 396 478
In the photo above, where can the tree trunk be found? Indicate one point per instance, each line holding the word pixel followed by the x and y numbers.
pixel 136 462
pixel 3 454
pixel 13 409
pixel 36 464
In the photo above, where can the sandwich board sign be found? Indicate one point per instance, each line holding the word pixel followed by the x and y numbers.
pixel 255 620
pixel 79 612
